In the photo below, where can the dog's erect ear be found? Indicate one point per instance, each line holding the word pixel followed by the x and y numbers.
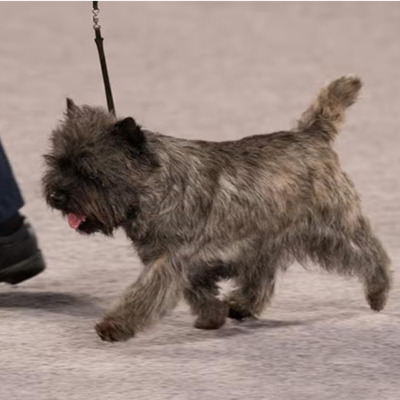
pixel 72 108
pixel 129 130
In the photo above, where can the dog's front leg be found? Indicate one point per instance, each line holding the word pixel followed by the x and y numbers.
pixel 156 292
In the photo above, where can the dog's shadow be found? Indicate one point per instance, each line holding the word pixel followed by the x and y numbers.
pixel 182 332
pixel 55 302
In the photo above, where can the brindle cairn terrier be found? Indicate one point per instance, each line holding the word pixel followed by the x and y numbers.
pixel 199 212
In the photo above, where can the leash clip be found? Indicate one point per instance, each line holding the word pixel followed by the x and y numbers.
pixel 96 19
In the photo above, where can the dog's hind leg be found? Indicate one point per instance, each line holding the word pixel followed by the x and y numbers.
pixel 255 288
pixel 376 274
pixel 156 292
pixel 201 291
pixel 358 253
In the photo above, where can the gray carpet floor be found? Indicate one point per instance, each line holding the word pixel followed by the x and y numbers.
pixel 211 71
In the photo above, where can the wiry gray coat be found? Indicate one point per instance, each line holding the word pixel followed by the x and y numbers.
pixel 198 212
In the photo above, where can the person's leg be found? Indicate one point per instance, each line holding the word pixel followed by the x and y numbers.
pixel 10 196
pixel 20 257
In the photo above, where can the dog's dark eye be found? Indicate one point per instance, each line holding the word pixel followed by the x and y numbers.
pixel 95 179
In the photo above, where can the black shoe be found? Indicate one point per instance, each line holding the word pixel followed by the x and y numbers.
pixel 20 257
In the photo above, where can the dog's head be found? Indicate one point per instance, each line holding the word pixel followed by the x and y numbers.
pixel 95 168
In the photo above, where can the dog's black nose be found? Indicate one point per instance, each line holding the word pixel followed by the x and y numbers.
pixel 58 198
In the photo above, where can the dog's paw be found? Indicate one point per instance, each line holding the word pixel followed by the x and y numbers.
pixel 111 330
pixel 377 301
pixel 209 323
pixel 239 315
pixel 237 311
pixel 213 317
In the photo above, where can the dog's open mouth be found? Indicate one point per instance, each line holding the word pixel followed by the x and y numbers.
pixel 74 220
pixel 86 224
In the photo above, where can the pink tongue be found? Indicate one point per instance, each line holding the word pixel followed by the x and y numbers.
pixel 75 220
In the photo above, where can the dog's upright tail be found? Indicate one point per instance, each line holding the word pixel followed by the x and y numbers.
pixel 326 113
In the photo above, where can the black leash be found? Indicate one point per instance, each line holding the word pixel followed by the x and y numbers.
pixel 99 43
